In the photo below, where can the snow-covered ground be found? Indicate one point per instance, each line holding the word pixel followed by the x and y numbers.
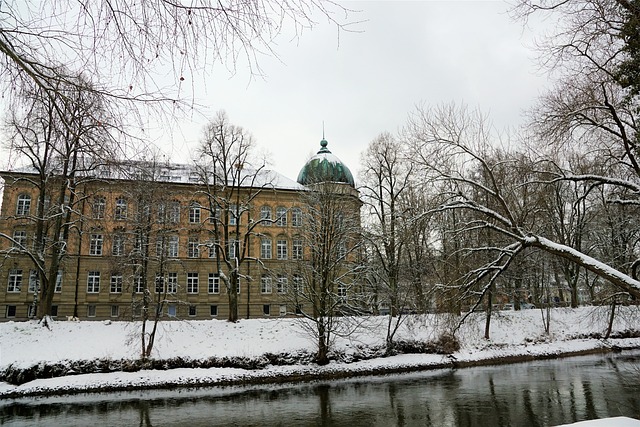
pixel 513 333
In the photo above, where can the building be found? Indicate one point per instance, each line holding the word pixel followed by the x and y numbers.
pixel 132 229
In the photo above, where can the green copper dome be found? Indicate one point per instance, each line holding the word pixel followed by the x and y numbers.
pixel 325 167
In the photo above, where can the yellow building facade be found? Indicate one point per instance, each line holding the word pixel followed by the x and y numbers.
pixel 124 236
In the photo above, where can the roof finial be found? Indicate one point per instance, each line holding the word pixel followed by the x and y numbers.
pixel 324 142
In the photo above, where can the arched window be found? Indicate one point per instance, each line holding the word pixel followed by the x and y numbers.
pixel 24 205
pixel 296 217
pixel 281 216
pixel 98 207
pixel 265 215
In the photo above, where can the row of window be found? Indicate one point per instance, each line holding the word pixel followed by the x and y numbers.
pixel 170 212
pixel 282 283
pixel 163 284
pixel 169 246
pixel 15 281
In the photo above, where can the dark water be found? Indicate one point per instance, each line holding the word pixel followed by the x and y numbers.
pixel 539 393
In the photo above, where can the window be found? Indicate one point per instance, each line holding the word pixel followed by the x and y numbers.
pixel 282 283
pixel 116 283
pixel 34 281
pixel 138 284
pixel 144 211
pixel 194 213
pixel 115 310
pixel 15 280
pixel 281 249
pixel 192 283
pixel 137 242
pixel 281 216
pixel 11 311
pixel 98 207
pixel 213 310
pixel 298 284
pixel 265 248
pixel 159 281
pixel 20 239
pixel 193 247
pixel 266 309
pixel 342 250
pixel 265 284
pixel 24 205
pixel 299 308
pixel 192 310
pixel 212 249
pixel 234 215
pixel 54 311
pixel 342 291
pixel 58 287
pixel 265 215
pixel 161 212
pixel 233 249
pixel 93 282
pixel 296 247
pixel 214 283
pixel 171 310
pixel 91 310
pixel 173 247
pixel 283 310
pixel 160 246
pixel 174 212
pixel 117 246
pixel 296 217
pixel 95 244
pixel 214 214
pixel 120 213
pixel 172 283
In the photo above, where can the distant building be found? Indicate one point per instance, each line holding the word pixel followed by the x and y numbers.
pixel 117 219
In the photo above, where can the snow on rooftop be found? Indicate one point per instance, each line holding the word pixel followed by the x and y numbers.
pixel 179 173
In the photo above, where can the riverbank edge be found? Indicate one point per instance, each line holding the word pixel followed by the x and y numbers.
pixel 309 373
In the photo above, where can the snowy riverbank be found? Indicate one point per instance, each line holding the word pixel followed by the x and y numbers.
pixel 110 348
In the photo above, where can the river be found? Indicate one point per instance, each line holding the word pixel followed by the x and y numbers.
pixel 539 393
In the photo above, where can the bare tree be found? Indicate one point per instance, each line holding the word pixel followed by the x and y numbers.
pixel 501 192
pixel 145 247
pixel 386 176
pixel 326 286
pixel 125 45
pixel 63 139
pixel 231 177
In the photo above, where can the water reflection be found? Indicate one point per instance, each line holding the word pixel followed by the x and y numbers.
pixel 533 394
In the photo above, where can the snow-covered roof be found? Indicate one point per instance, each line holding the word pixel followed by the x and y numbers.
pixel 177 173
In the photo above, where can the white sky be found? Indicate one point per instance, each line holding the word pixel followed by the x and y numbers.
pixel 362 83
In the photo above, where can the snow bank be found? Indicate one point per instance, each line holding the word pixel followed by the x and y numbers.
pixel 515 335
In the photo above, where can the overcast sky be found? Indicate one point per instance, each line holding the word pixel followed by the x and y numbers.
pixel 365 82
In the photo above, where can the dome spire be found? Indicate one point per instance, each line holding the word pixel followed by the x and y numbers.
pixel 323 143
